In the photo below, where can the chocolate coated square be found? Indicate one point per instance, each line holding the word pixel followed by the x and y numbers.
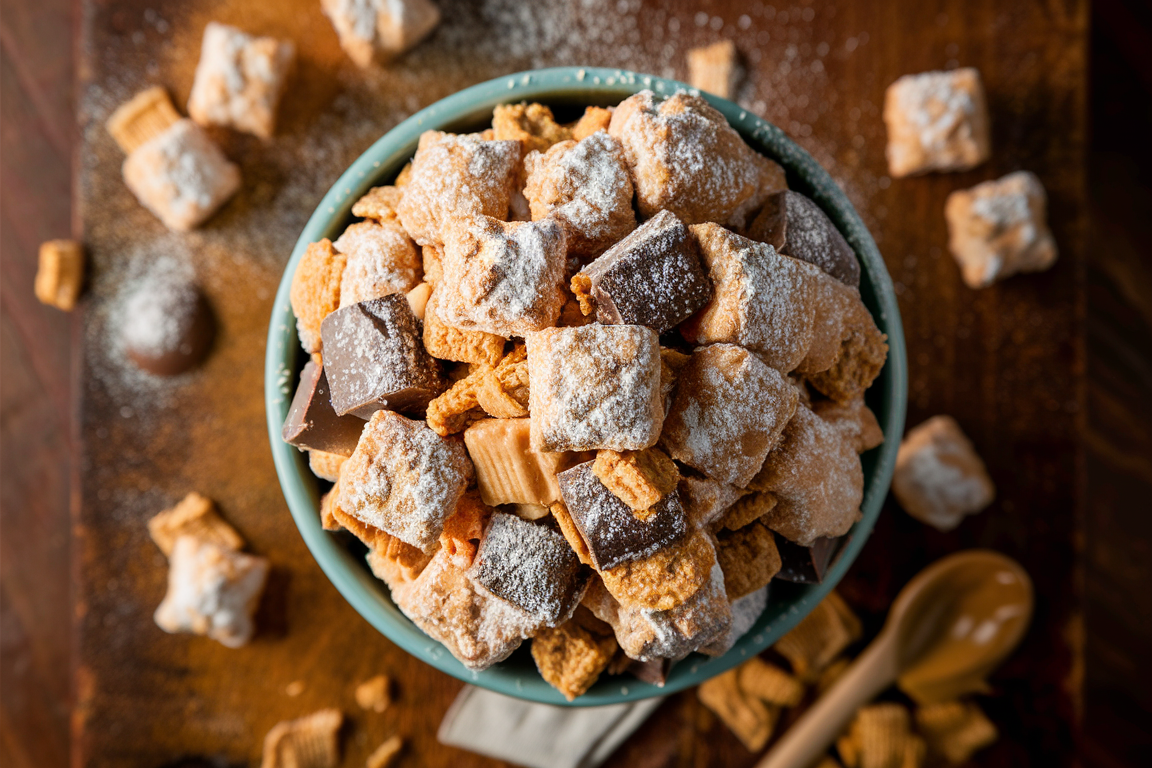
pixel 796 227
pixel 806 565
pixel 652 277
pixel 613 534
pixel 529 565
pixel 375 359
pixel 311 423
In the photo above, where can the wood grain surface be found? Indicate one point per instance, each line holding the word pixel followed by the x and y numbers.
pixel 1007 362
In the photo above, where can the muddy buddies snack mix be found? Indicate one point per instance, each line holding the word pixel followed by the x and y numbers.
pixel 613 375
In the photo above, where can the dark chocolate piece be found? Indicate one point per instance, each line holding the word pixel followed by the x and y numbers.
pixel 613 534
pixel 311 422
pixel 796 227
pixel 653 672
pixel 806 565
pixel 375 359
pixel 652 277
pixel 531 566
pixel 168 325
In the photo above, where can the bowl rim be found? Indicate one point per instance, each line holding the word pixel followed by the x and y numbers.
pixel 574 85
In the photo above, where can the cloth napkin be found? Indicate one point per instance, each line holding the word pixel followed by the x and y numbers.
pixel 539 735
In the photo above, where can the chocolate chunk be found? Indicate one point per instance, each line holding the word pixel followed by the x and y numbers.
pixel 796 227
pixel 654 672
pixel 168 326
pixel 531 566
pixel 652 277
pixel 311 422
pixel 375 359
pixel 806 565
pixel 613 534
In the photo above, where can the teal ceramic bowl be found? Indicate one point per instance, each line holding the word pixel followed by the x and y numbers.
pixel 567 90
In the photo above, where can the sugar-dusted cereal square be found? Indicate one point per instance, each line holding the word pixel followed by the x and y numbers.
pixel 937 121
pixel 315 291
pixel 723 181
pixel 380 259
pixel 380 30
pixel 705 499
pixel 240 79
pixel 715 68
pixel 456 177
pixel 939 477
pixel 380 204
pixel 504 278
pixel 181 176
pixel 748 558
pixel 999 228
pixel 594 119
pixel 848 350
pixel 586 187
pixel 571 657
pixel 728 411
pixel 404 479
pixel 194 516
pixel 595 387
pixel 533 125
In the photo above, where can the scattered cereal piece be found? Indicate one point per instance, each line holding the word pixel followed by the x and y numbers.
pixel 307 742
pixel 326 465
pixel 955 730
pixel 748 558
pixel 746 716
pixel 937 121
pixel 728 411
pixel 705 500
pixel 817 479
pixel 594 119
pixel 212 591
pixel 312 424
pixel 571 657
pixel 665 579
pixel 449 343
pixel 820 637
pixel 664 144
pixel 380 205
pixel 714 68
pixel 375 693
pixel 61 274
pixel 652 277
pixel 239 79
pixel 457 408
pixel 374 359
pixel 613 535
pixel 380 30
pixel 595 387
pixel 939 477
pixel 502 277
pixel 384 754
pixel 878 737
pixel 508 470
pixel 638 478
pixel 769 683
pixel 404 479
pixel 531 124
pixel 194 516
pixel 455 178
pixel 315 291
pixel 999 228
pixel 380 259
pixel 585 186
pixel 797 227
pixel 142 118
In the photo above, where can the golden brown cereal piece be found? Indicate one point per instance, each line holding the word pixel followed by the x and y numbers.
pixel 747 509
pixel 581 287
pixel 705 500
pixel 939 477
pixel 769 683
pixel 391 560
pixel 449 343
pixel 457 408
pixel 847 349
pixel 418 299
pixel 312 741
pixel 936 121
pixel 503 393
pixel 748 558
pixel 315 291
pixel 194 516
pixel 727 181
pixel 572 314
pixel 570 657
pixel 432 259
pixel 326 465
pixel 531 124
pixel 955 730
pixel 380 203
pixel 671 361
pixel 571 532
pixel 375 694
pixel 638 478
pixel 384 754
pixel 61 273
pixel 666 579
pixel 746 716
pixel 855 420
pixel 816 477
pixel 327 520
pixel 879 737
pixel 143 117
pixel 464 529
pixel 820 637
pixel 594 119
pixel 508 469
pixel 714 68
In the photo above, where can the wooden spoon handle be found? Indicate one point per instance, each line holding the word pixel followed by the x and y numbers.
pixel 806 740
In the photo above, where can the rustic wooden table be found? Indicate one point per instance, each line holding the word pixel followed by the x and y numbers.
pixel 1063 426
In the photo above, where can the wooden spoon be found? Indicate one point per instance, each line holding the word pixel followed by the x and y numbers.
pixel 948 629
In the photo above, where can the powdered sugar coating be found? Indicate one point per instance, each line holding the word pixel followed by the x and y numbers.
pixel 181 176
pixel 745 612
pixel 727 412
pixel 503 278
pixel 380 260
pixel 593 387
pixel 404 479
pixel 937 121
pixel 161 310
pixel 453 178
pixel 706 500
pixel 585 186
pixel 371 30
pixel 684 157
